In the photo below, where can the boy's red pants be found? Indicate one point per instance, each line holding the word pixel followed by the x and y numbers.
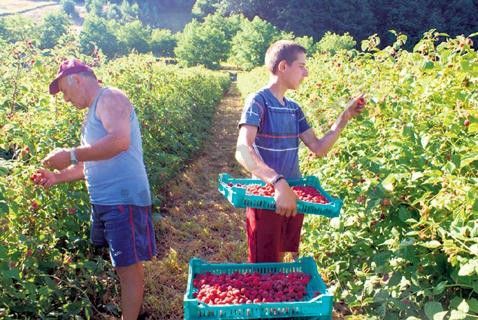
pixel 270 234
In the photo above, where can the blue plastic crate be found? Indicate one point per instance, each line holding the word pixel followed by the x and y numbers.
pixel 319 307
pixel 240 199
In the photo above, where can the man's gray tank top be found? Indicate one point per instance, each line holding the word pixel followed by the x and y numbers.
pixel 121 179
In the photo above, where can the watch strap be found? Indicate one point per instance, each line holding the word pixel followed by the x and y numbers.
pixel 276 179
pixel 73 158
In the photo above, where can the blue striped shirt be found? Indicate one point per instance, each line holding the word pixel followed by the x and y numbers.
pixel 279 127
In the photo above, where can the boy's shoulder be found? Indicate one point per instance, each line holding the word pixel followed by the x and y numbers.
pixel 258 96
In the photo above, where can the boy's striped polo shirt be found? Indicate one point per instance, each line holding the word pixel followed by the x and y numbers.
pixel 279 126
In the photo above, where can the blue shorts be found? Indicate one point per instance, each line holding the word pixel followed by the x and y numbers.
pixel 126 229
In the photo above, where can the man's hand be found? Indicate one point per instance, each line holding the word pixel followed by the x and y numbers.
pixel 286 199
pixel 354 107
pixel 58 159
pixel 45 178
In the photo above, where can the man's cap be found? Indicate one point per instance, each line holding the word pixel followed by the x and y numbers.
pixel 68 67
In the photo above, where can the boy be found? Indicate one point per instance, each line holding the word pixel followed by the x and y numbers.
pixel 267 146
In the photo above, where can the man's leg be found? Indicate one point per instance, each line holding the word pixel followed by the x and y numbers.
pixel 132 288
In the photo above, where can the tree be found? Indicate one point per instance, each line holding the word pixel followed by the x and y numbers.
pixel 163 43
pixel 95 7
pixel 332 43
pixel 69 7
pixel 362 18
pixel 203 8
pixel 97 32
pixel 200 44
pixel 250 44
pixel 54 26
pixel 230 26
pixel 134 35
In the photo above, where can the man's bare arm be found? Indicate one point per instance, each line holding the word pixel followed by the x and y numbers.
pixel 114 112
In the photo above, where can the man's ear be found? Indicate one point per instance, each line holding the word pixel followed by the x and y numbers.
pixel 76 78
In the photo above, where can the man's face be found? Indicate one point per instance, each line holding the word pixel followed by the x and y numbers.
pixel 70 87
pixel 296 71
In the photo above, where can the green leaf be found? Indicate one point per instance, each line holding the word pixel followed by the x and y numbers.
pixel 431 308
pixel 468 159
pixel 427 65
pixel 457 315
pixel 395 279
pixel 449 166
pixel 12 274
pixel 417 175
pixel 463 306
pixel 474 249
pixel 467 269
pixel 473 304
pixel 473 128
pixel 381 296
pixel 3 171
pixel 3 207
pixel 387 184
pixel 465 65
pixel 424 140
pixel 440 315
pixel 431 244
pixel 439 288
pixel 3 253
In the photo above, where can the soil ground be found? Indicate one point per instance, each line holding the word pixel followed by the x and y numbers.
pixel 197 221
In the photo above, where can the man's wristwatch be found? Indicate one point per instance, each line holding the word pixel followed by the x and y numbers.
pixel 73 159
pixel 276 179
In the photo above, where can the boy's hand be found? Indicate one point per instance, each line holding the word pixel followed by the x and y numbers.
pixel 355 107
pixel 286 199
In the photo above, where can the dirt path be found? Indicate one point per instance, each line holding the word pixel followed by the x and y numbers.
pixel 37 10
pixel 198 221
pixel 9 7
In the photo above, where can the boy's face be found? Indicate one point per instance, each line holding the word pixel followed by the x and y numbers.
pixel 294 73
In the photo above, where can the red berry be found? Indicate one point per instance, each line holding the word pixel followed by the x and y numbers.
pixel 361 101
pixel 34 206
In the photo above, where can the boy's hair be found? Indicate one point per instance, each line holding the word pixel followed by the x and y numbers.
pixel 282 50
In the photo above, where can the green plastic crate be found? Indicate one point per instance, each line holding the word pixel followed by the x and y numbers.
pixel 240 199
pixel 317 308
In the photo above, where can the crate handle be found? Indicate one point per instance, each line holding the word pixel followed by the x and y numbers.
pixel 316 298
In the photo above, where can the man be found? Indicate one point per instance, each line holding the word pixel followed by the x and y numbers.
pixel 110 159
pixel 267 146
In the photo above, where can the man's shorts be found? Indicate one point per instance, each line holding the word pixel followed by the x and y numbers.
pixel 127 230
pixel 270 234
